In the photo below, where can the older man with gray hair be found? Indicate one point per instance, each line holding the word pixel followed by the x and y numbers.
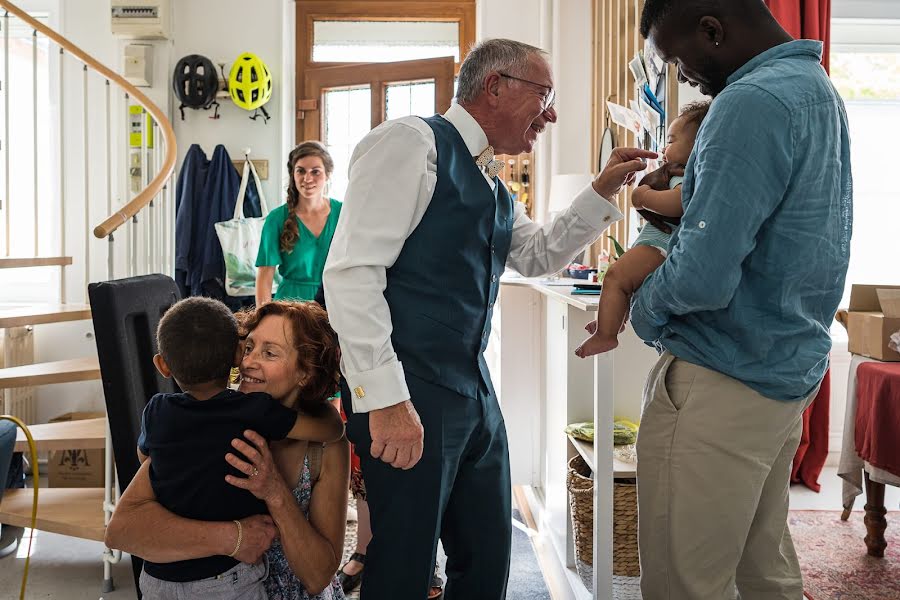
pixel 426 231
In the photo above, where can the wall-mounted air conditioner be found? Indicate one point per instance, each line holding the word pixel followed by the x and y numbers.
pixel 141 19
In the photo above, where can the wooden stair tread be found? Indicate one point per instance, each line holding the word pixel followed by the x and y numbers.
pixel 68 511
pixel 17 262
pixel 60 371
pixel 18 315
pixel 84 434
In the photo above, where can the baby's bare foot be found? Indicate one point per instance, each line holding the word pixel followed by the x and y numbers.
pixel 596 345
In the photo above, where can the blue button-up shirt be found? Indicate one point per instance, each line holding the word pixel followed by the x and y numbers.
pixel 756 271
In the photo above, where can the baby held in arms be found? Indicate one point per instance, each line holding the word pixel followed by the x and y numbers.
pixel 649 251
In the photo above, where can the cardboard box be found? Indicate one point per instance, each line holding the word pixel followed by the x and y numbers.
pixel 76 468
pixel 873 316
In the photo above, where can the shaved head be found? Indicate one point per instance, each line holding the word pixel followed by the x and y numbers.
pixel 708 40
pixel 658 11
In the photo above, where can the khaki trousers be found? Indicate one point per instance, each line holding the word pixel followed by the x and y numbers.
pixel 714 463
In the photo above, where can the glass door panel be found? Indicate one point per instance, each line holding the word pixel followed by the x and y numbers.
pixel 404 99
pixel 346 118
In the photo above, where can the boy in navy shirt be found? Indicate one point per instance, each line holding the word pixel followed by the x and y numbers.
pixel 186 437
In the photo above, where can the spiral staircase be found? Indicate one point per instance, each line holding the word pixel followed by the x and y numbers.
pixel 143 222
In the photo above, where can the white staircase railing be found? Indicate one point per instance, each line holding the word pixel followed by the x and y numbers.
pixel 151 248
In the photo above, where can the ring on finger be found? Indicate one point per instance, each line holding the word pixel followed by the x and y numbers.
pixel 254 472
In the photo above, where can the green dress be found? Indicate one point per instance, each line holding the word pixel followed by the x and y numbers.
pixel 301 269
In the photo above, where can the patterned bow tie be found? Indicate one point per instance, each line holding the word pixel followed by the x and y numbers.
pixel 486 161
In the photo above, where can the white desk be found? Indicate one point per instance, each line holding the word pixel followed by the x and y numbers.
pixel 543 386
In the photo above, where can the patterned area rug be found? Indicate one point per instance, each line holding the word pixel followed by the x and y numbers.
pixel 834 561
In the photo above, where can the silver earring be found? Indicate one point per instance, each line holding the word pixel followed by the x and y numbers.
pixel 717 43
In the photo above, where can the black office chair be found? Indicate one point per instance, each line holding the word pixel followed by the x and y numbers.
pixel 126 313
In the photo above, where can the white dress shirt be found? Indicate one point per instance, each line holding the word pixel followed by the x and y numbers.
pixel 393 172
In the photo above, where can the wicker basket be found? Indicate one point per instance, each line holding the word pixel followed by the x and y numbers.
pixel 581 503
pixel 625 529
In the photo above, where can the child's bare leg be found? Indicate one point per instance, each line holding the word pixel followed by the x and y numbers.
pixel 622 279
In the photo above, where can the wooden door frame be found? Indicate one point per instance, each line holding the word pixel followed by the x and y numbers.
pixel 309 11
pixel 378 76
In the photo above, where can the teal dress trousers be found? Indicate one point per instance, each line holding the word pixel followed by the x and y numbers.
pixel 441 292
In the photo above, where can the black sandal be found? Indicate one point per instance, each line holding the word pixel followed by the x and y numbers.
pixel 351 582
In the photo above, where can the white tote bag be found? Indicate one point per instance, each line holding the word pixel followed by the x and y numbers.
pixel 240 238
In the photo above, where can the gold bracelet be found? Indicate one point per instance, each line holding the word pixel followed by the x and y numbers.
pixel 240 538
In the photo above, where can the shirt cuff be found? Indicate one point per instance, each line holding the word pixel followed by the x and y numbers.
pixel 379 388
pixel 597 211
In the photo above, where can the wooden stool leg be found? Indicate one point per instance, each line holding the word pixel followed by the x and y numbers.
pixel 874 520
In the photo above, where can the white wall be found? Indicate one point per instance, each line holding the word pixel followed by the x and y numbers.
pixel 220 30
pixel 519 20
pixel 572 67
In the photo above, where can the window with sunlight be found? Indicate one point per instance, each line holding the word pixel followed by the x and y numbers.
pixel 867 75
pixel 347 111
pixel 383 41
pixel 346 118
pixel 31 125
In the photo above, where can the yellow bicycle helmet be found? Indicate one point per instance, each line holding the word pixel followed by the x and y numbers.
pixel 249 82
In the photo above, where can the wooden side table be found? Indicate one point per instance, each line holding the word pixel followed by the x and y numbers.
pixel 870 455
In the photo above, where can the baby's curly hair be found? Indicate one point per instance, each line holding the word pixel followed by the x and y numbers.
pixel 695 112
pixel 318 352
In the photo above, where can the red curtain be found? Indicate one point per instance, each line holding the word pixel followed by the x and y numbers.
pixel 808 19
pixel 813 448
pixel 811 20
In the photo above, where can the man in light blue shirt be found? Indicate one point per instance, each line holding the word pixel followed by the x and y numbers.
pixel 743 304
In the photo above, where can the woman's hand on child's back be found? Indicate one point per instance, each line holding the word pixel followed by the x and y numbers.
pixel 263 479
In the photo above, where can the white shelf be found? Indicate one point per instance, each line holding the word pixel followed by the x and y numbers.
pixel 621 469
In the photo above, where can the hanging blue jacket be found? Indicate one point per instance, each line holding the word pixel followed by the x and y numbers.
pixel 205 195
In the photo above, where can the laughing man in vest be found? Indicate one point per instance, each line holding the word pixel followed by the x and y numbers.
pixel 414 271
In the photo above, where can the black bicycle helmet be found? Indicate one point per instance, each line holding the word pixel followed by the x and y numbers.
pixel 195 82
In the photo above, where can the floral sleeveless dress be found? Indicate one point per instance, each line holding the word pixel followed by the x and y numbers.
pixel 281 583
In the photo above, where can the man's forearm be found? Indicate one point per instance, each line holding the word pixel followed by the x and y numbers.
pixel 539 250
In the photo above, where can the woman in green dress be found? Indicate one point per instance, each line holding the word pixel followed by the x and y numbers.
pixel 297 234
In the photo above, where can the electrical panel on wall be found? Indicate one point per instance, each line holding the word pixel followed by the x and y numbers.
pixel 141 19
pixel 139 64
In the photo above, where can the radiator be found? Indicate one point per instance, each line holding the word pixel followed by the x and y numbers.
pixel 17 348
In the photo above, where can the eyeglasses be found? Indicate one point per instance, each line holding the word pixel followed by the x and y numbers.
pixel 549 96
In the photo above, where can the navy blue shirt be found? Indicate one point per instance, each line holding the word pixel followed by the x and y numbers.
pixel 756 270
pixel 186 440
